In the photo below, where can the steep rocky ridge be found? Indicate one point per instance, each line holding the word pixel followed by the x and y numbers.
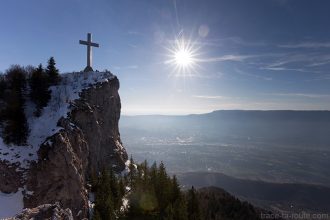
pixel 97 113
pixel 85 140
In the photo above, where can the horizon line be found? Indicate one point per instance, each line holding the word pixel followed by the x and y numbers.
pixel 209 112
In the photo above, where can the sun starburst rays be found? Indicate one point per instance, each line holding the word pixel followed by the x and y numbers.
pixel 183 57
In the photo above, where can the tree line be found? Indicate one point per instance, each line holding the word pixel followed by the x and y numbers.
pixel 17 86
pixel 151 194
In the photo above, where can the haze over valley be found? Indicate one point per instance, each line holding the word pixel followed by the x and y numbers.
pixel 230 148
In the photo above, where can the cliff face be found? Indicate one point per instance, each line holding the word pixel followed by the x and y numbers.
pixel 85 140
pixel 97 113
pixel 59 173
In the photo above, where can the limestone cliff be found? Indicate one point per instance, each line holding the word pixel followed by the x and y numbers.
pixel 97 113
pixel 84 140
pixel 59 173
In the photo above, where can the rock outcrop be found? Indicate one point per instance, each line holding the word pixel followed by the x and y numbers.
pixel 10 177
pixel 97 113
pixel 59 173
pixel 88 140
pixel 45 212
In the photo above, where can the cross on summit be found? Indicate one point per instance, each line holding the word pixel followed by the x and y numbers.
pixel 89 45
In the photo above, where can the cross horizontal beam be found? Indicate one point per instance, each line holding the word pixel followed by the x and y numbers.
pixel 89 43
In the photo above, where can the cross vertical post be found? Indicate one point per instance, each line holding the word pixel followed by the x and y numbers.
pixel 89 50
pixel 89 45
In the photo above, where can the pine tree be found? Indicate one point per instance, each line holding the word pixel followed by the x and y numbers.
pixel 121 188
pixel 96 215
pixel 193 205
pixel 16 128
pixel 39 91
pixel 176 193
pixel 53 73
pixel 132 173
pixel 157 196
pixel 2 97
pixel 180 209
pixel 115 191
pixel 103 202
pixel 169 213
pixel 2 86
pixel 162 188
pixel 153 173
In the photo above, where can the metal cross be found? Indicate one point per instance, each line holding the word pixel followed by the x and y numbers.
pixel 89 44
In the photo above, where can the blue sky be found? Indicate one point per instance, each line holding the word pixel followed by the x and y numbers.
pixel 256 54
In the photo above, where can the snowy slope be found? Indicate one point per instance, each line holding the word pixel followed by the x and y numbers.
pixel 46 125
pixel 10 204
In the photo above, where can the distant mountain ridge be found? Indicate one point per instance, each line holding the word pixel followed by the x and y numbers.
pixel 285 196
pixel 276 114
pixel 217 203
pixel 273 124
pixel 280 114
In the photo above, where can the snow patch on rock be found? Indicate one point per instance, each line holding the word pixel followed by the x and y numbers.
pixel 62 96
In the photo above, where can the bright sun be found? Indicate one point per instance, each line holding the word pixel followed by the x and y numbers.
pixel 183 57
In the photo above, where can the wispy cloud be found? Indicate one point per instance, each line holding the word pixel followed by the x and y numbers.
pixel 132 45
pixel 212 75
pixel 300 62
pixel 304 95
pixel 229 57
pixel 230 41
pixel 126 67
pixel 242 42
pixel 321 63
pixel 209 97
pixel 320 78
pixel 311 45
pixel 285 69
pixel 253 75
pixel 200 75
pixel 132 67
pixel 135 33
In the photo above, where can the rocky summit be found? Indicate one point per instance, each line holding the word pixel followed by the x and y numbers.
pixel 77 134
